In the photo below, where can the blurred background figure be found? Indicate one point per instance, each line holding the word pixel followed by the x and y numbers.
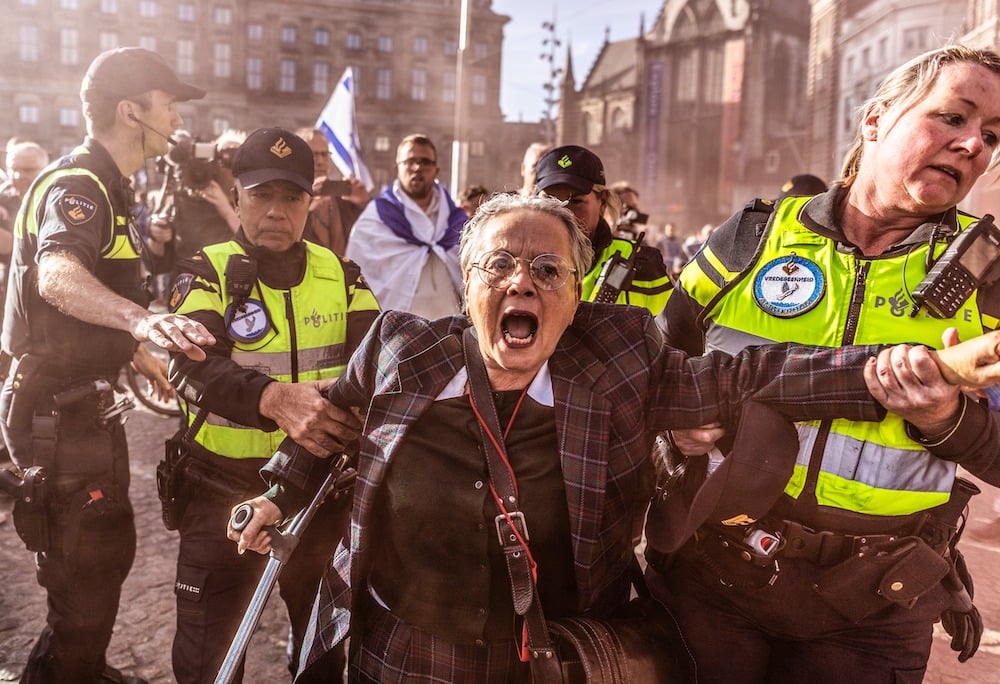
pixel 531 156
pixel 802 185
pixel 472 197
pixel 25 160
pixel 671 250
pixel 694 242
pixel 336 203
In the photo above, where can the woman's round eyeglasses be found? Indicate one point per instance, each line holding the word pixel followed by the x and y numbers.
pixel 548 271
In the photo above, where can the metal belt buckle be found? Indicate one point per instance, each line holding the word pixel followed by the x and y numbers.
pixel 517 520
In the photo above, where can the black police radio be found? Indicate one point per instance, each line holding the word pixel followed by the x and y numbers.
pixel 145 125
pixel 968 262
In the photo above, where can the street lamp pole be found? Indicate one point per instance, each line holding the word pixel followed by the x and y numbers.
pixel 459 146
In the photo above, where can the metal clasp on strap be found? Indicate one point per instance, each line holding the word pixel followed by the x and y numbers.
pixel 516 521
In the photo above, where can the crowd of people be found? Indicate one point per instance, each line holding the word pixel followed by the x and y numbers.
pixel 772 408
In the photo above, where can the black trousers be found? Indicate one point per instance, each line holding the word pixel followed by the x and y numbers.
pixel 758 632
pixel 214 584
pixel 92 533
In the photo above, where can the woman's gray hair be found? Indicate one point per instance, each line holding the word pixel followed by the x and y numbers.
pixel 505 203
pixel 909 83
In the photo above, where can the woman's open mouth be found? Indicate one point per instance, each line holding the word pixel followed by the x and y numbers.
pixel 519 329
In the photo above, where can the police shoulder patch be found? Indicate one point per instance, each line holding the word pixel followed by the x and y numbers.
pixel 182 286
pixel 77 209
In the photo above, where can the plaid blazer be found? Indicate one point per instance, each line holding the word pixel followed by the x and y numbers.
pixel 614 384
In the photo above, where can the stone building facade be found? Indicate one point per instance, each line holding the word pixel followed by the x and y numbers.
pixel 703 110
pixel 274 63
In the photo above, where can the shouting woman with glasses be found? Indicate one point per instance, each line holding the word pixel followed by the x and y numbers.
pixel 422 587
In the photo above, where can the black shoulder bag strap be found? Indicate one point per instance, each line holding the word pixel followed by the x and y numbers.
pixel 510 525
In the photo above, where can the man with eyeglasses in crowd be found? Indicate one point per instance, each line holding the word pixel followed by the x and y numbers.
pixel 336 205
pixel 406 240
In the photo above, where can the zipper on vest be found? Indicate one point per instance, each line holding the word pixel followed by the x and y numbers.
pixel 293 350
pixel 808 496
pixel 857 302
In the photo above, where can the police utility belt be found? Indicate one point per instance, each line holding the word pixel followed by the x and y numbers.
pixel 54 408
pixel 861 573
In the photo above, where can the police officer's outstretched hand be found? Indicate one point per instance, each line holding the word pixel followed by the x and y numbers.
pixel 301 410
pixel 175 333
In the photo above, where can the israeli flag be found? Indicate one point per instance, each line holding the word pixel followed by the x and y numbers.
pixel 338 125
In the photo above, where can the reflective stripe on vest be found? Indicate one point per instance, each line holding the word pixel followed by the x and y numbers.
pixel 312 316
pixel 649 294
pixel 870 468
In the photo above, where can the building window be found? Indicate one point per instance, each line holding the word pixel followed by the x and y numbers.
pixel 712 83
pixel 69 116
pixel 255 75
pixel 286 83
pixel 321 78
pixel 222 63
pixel 147 9
pixel 915 39
pixel 185 57
pixel 255 31
pixel 383 84
pixel 185 12
pixel 69 46
pixel 353 40
pixel 477 148
pixel 109 6
pixel 883 50
pixel 450 48
pixel 448 86
pixel 108 40
pixel 148 43
pixel 289 34
pixel 478 89
pixel 384 43
pixel 381 143
pixel 687 77
pixel 419 45
pixel 223 15
pixel 481 50
pixel 220 125
pixel 418 85
pixel 321 37
pixel 27 113
pixel 29 43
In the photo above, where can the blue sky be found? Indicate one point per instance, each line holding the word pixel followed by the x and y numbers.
pixel 579 23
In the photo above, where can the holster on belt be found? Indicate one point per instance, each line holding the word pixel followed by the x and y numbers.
pixel 30 388
pixel 899 570
pixel 187 466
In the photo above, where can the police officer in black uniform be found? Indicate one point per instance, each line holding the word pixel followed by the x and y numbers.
pixel 74 312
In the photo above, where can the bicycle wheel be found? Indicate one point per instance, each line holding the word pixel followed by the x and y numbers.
pixel 139 386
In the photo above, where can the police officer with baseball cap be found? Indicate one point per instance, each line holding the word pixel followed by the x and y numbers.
pixel 575 175
pixel 288 313
pixel 75 311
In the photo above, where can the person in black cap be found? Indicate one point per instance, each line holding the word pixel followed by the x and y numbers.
pixel 75 310
pixel 620 272
pixel 802 184
pixel 288 313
